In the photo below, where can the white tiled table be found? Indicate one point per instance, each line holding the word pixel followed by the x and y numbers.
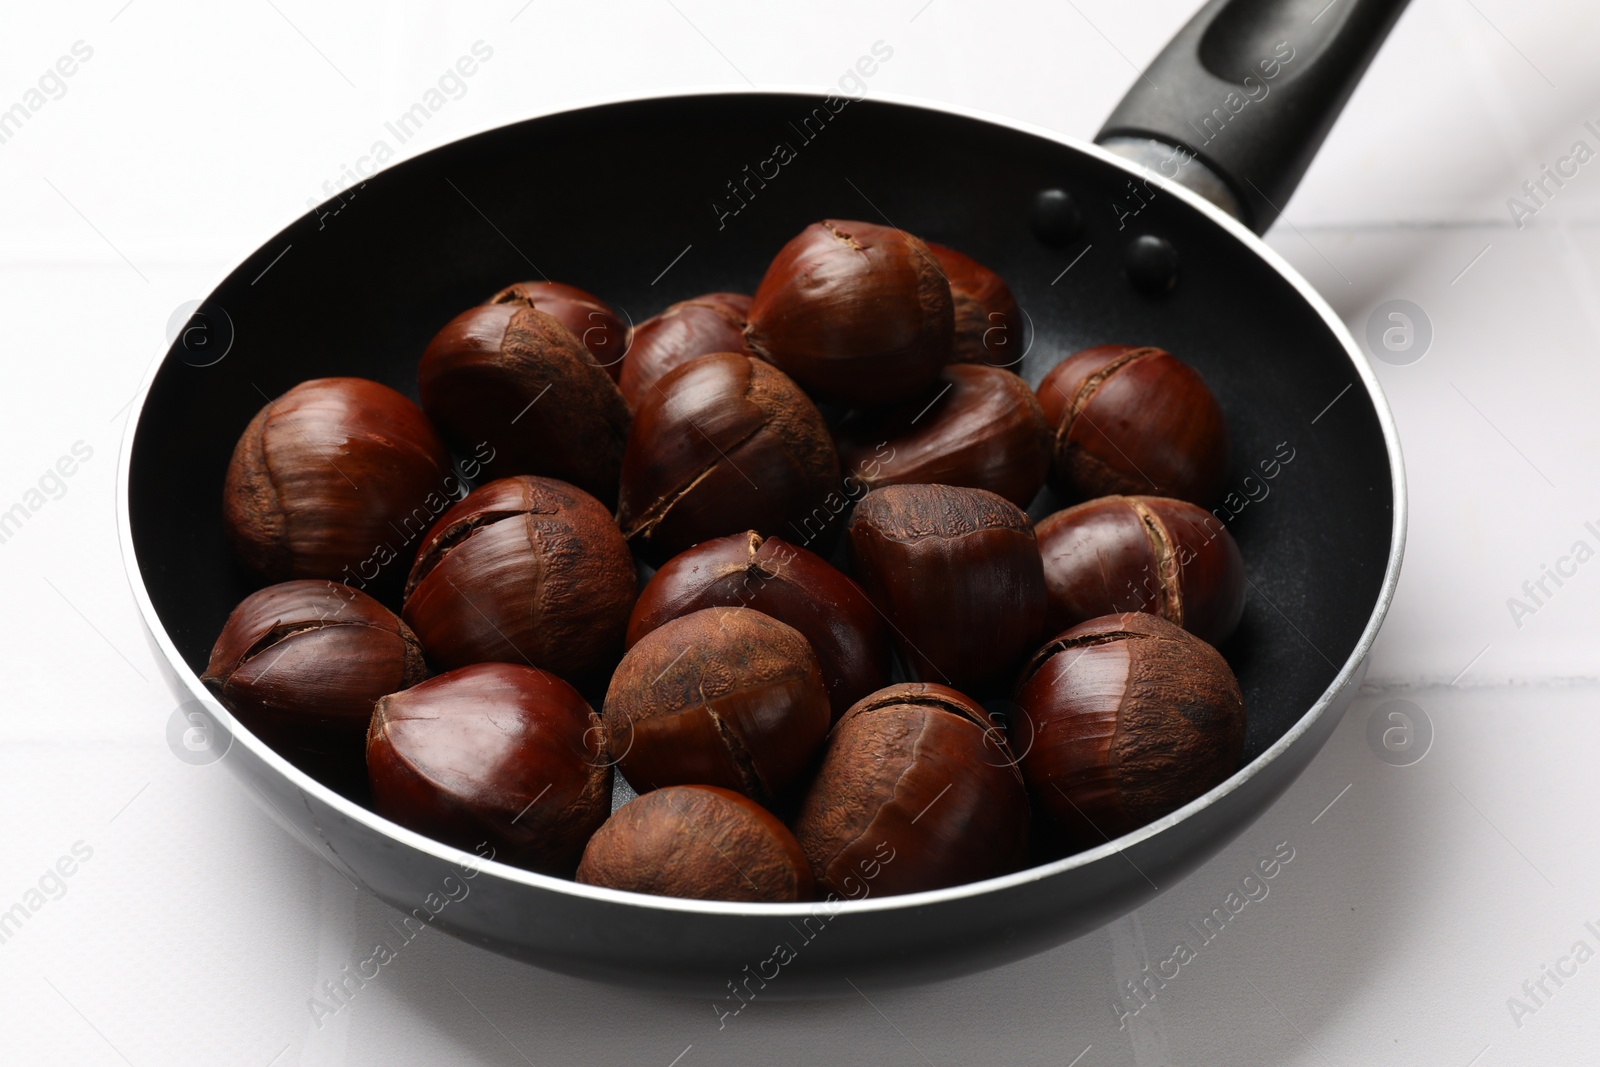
pixel 191 930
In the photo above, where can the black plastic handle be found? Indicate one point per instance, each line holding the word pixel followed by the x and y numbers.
pixel 1250 88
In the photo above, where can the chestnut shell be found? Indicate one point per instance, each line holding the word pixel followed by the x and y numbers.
pixel 977 426
pixel 723 696
pixel 916 791
pixel 857 313
pixel 1123 719
pixel 726 443
pixel 497 753
pixel 988 326
pixel 701 842
pixel 591 320
pixel 794 586
pixel 301 664
pixel 1142 553
pixel 324 476
pixel 514 378
pixel 958 574
pixel 524 570
pixel 1133 420
pixel 660 344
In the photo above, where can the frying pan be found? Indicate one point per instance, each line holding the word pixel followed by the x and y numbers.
pixel 634 200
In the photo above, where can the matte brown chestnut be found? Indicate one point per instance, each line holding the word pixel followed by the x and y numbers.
pixel 701 842
pixel 516 378
pixel 917 790
pixel 976 426
pixel 724 696
pixel 590 319
pixel 1121 720
pixel 301 663
pixel 726 443
pixel 988 324
pixel 711 323
pixel 524 570
pixel 1133 420
pixel 857 313
pixel 497 753
pixel 323 476
pixel 792 585
pixel 958 573
pixel 1142 553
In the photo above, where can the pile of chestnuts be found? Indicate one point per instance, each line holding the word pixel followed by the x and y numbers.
pixel 820 649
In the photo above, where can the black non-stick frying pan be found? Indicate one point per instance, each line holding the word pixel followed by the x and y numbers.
pixel 632 200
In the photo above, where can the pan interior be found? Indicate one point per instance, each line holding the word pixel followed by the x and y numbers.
pixel 649 202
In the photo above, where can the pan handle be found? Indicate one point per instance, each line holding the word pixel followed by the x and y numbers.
pixel 1240 100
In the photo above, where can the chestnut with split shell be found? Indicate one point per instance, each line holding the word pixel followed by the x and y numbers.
pixel 591 320
pixel 512 377
pixel 524 570
pixel 1131 420
pixel 701 842
pixel 1123 719
pixel 917 790
pixel 1142 553
pixel 792 585
pixel 723 696
pixel 301 663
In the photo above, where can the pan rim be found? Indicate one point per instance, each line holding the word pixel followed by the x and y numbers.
pixel 184 676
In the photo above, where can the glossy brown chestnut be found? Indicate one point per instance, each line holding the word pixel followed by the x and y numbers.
pixel 524 570
pixel 988 324
pixel 1122 719
pixel 1133 420
pixel 700 842
pixel 857 313
pixel 515 378
pixel 497 753
pixel 590 319
pixel 917 790
pixel 792 585
pixel 711 323
pixel 301 663
pixel 976 426
pixel 323 477
pixel 726 443
pixel 1142 553
pixel 958 573
pixel 723 696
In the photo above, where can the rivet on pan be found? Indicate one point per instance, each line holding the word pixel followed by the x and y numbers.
pixel 1151 264
pixel 1057 219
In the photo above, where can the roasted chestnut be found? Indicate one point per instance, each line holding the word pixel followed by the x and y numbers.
pixel 792 585
pixel 1142 553
pixel 1122 719
pixel 711 323
pixel 917 790
pixel 1133 420
pixel 701 842
pixel 590 319
pixel 726 443
pixel 723 696
pixel 324 477
pixel 988 324
pixel 958 574
pixel 858 314
pixel 976 426
pixel 497 753
pixel 301 663
pixel 516 378
pixel 525 570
